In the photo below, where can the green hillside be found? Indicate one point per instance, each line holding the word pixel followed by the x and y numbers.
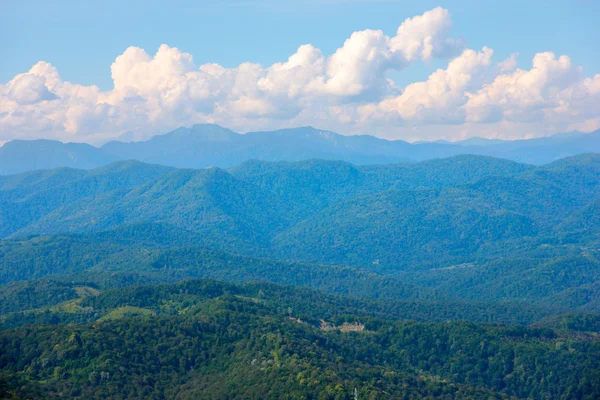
pixel 467 277
pixel 204 339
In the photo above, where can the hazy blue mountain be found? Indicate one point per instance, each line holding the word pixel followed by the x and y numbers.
pixel 479 141
pixel 542 150
pixel 22 155
pixel 196 147
pixel 307 143
pixel 208 145
pixel 438 141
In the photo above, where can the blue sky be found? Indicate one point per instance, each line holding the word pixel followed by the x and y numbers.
pixel 81 39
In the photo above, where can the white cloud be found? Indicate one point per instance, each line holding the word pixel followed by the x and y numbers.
pixel 33 86
pixel 359 66
pixel 426 36
pixel 29 89
pixel 439 98
pixel 347 91
pixel 297 77
pixel 529 95
pixel 508 65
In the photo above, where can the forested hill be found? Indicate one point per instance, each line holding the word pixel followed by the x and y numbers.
pixel 206 145
pixel 204 339
pixel 464 277
pixel 463 228
pixel 280 192
pixel 393 216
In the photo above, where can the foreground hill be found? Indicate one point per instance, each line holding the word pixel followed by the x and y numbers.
pixel 203 339
pixel 70 299
pixel 207 145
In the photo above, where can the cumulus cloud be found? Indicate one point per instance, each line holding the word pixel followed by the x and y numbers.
pixel 359 66
pixel 426 36
pixel 31 87
pixel 348 91
pixel 529 95
pixel 438 99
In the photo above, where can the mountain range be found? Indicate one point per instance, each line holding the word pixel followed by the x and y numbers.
pixel 466 224
pixel 207 145
pixel 461 277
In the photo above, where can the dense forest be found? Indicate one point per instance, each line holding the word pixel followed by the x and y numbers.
pixel 467 277
pixel 204 339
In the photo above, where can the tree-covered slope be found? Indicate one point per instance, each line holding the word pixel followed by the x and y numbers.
pixel 151 254
pixel 73 300
pixel 99 259
pixel 468 227
pixel 402 227
pixel 27 197
pixel 289 209
pixel 251 196
pixel 202 339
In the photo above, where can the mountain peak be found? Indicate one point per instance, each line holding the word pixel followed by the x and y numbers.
pixel 307 133
pixel 28 155
pixel 33 142
pixel 207 132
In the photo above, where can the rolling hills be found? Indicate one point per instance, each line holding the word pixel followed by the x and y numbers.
pixel 317 211
pixel 464 228
pixel 462 277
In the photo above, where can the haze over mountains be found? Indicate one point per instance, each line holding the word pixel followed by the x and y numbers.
pixel 208 145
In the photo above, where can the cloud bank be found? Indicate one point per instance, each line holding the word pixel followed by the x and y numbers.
pixel 348 91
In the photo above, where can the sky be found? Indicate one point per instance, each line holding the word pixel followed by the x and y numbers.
pixel 92 71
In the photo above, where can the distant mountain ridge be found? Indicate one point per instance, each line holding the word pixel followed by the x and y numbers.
pixel 209 145
pixel 28 155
